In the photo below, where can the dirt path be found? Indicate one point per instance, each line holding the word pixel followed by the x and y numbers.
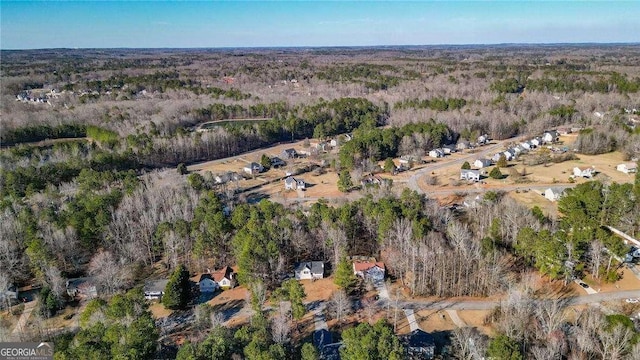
pixel 22 322
pixel 455 318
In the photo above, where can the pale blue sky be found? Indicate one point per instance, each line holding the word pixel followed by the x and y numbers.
pixel 185 24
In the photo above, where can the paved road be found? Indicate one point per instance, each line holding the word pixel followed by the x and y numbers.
pixel 411 318
pixel 412 182
pixel 450 304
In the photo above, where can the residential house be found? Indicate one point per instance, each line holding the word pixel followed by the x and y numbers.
pixel 253 168
pixel 483 139
pixel 473 175
pixel 449 149
pixel 207 284
pixel 550 136
pixel 82 287
pixel 509 154
pixel 369 270
pixel 535 143
pixel 309 270
pixel 482 163
pixel 291 183
pixel 419 344
pixel 372 180
pixel 224 277
pixel 276 162
pixel 583 171
pixel 553 193
pixel 289 154
pixel 462 145
pixel 334 142
pixel 226 177
pixel 320 146
pixel 436 153
pixel 628 168
pixel 526 145
pixel 154 289
pixel 496 157
pixel 408 159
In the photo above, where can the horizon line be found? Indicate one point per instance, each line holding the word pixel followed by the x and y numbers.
pixel 330 46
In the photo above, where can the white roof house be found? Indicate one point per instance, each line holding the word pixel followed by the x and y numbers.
pixel 525 145
pixel 585 172
pixel 553 193
pixel 508 154
pixel 628 168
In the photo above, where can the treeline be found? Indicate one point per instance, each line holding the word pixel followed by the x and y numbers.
pixel 571 82
pixel 373 76
pixel 22 181
pixel 46 132
pixel 438 104
pixel 158 81
pixel 10 137
pixel 325 119
pixel 377 144
pixel 582 243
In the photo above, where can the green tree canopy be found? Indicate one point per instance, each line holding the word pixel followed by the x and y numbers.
pixel 344 181
pixel 465 166
pixel 366 342
pixel 504 348
pixel 344 276
pixel 176 294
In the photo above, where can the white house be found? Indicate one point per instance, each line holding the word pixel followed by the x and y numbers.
pixel 253 168
pixel 525 145
pixel 291 183
pixel 449 149
pixel 508 155
pixel 553 193
pixel 309 270
pixel 224 277
pixel 207 284
pixel 466 174
pixel 436 153
pixel 534 143
pixel 585 172
pixel 482 163
pixel 368 270
pixel 550 136
pixel 628 168
pixel 482 139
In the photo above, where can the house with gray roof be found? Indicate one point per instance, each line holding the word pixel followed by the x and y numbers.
pixel 309 270
pixel 473 175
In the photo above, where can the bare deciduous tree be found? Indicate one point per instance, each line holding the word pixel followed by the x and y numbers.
pixel 340 304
